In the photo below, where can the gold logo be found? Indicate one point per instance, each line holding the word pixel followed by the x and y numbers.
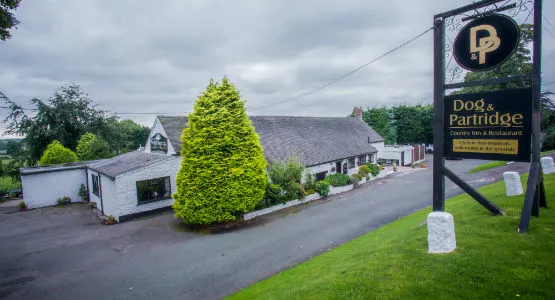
pixel 485 44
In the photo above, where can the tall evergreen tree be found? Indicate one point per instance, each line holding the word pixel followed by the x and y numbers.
pixel 222 172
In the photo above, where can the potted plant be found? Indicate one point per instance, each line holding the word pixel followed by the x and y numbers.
pixel 110 220
pixel 22 206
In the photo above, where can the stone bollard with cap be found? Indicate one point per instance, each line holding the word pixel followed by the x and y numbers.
pixel 441 232
pixel 513 186
pixel 547 165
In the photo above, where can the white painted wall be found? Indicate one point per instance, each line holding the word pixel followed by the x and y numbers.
pixel 157 128
pixel 379 146
pixel 44 189
pixel 395 153
pixel 126 189
pixel 107 191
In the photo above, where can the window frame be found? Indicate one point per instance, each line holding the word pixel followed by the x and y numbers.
pixel 151 183
pixel 155 143
pixel 351 163
pixel 95 178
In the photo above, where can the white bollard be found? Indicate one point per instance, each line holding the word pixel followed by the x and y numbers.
pixel 513 186
pixel 547 165
pixel 441 232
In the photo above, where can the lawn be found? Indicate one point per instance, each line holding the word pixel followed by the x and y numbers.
pixel 492 260
pixel 490 165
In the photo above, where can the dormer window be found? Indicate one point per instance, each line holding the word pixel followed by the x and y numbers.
pixel 158 143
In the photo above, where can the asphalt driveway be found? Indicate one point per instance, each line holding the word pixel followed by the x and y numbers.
pixel 64 253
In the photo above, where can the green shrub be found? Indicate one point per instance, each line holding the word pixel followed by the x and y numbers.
pixel 338 179
pixel 272 196
pixel 287 174
pixel 309 180
pixel 374 169
pixel 310 192
pixel 322 187
pixel 549 142
pixel 56 153
pixel 64 200
pixel 357 177
pixel 222 172
pixel 363 170
pixel 22 205
pixel 83 193
pixel 110 220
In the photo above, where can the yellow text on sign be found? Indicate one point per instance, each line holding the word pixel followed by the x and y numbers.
pixel 485 146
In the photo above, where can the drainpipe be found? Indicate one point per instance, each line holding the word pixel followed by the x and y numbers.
pixel 87 181
pixel 100 188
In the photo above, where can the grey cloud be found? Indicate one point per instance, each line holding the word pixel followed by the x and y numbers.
pixel 134 56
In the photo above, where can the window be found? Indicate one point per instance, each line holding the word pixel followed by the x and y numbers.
pixel 96 184
pixel 158 143
pixel 351 163
pixel 321 175
pixel 371 158
pixel 361 160
pixel 153 190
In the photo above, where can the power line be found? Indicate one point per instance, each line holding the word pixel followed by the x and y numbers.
pixel 123 113
pixel 346 74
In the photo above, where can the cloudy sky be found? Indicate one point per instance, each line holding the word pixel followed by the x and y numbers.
pixel 137 56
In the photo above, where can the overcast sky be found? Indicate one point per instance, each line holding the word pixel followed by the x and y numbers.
pixel 149 56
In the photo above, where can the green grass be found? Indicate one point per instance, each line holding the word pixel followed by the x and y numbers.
pixel 547 152
pixel 492 260
pixel 490 165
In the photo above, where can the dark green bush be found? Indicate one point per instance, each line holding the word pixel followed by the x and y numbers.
pixel 287 174
pixel 272 196
pixel 322 187
pixel 549 142
pixel 374 169
pixel 338 180
pixel 308 180
pixel 83 193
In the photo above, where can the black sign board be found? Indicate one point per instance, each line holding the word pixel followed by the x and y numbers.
pixel 486 42
pixel 489 125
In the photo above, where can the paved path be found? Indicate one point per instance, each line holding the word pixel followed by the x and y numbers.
pixel 148 259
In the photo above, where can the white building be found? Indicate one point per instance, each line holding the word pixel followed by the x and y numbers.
pixel 142 181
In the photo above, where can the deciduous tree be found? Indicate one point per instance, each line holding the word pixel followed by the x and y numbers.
pixel 7 18
pixel 91 146
pixel 222 172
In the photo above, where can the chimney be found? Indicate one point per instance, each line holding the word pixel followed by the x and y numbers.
pixel 357 113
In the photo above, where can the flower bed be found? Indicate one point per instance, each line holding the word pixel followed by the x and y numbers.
pixel 311 197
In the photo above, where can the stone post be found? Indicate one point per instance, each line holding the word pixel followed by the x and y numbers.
pixel 513 186
pixel 441 232
pixel 547 165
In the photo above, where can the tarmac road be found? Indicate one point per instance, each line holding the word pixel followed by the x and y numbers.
pixel 63 253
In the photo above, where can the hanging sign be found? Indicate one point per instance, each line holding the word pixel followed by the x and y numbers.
pixel 486 42
pixel 489 125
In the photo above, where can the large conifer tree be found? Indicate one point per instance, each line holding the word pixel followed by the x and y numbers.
pixel 222 172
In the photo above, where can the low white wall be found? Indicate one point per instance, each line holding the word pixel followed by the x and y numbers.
pixel 44 189
pixel 126 188
pixel 333 191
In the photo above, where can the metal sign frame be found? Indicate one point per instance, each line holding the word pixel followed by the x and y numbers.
pixel 453 20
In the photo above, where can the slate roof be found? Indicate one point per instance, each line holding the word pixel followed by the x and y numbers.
pixel 127 162
pixel 314 140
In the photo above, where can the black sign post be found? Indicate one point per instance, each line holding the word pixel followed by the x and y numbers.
pixel 501 124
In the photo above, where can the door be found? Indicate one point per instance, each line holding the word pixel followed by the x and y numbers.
pixel 403 158
pixel 338 167
pixel 345 168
